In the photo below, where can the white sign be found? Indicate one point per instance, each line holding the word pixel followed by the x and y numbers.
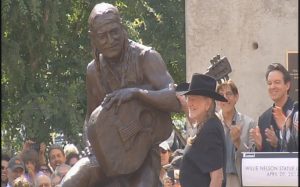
pixel 270 171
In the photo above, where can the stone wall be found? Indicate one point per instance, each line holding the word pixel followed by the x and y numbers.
pixel 252 34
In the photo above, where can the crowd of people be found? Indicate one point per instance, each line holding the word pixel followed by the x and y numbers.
pixel 36 168
pixel 124 71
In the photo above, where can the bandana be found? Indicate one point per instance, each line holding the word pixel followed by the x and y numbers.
pixel 107 13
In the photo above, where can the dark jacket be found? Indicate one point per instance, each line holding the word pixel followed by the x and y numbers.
pixel 266 120
pixel 206 154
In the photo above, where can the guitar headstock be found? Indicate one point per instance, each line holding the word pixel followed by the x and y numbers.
pixel 219 68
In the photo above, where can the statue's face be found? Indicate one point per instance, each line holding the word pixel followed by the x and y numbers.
pixel 108 37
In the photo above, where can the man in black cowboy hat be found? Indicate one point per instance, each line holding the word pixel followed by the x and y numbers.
pixel 203 163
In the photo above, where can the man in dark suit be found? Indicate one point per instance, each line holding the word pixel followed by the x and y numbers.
pixel 274 133
pixel 204 160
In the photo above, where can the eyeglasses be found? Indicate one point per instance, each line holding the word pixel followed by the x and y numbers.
pixel 227 94
pixel 3 168
pixel 44 170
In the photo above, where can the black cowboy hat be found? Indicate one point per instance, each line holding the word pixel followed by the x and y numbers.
pixel 204 85
pixel 182 88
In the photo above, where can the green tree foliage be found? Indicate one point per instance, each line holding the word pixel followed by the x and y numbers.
pixel 45 49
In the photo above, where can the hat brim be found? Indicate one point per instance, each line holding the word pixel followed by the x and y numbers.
pixel 18 166
pixel 207 93
pixel 182 88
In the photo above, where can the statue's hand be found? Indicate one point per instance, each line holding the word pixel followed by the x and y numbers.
pixel 119 97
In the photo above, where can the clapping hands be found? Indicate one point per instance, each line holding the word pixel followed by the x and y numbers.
pixel 235 133
pixel 279 116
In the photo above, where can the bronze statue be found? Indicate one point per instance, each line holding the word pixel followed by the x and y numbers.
pixel 130 95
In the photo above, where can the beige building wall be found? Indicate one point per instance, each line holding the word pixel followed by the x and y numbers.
pixel 252 34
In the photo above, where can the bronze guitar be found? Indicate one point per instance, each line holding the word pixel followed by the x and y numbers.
pixel 130 136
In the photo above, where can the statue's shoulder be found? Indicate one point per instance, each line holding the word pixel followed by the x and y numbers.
pixel 147 53
pixel 140 48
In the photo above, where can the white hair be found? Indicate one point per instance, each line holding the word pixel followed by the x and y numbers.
pixel 37 180
pixel 70 148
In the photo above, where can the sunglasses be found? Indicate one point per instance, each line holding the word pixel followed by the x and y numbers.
pixel 44 170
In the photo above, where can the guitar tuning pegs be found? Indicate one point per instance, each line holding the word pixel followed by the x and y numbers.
pixel 215 59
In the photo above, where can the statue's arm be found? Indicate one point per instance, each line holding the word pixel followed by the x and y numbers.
pixel 163 94
pixel 156 90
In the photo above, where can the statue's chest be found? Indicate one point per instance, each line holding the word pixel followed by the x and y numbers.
pixel 122 76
